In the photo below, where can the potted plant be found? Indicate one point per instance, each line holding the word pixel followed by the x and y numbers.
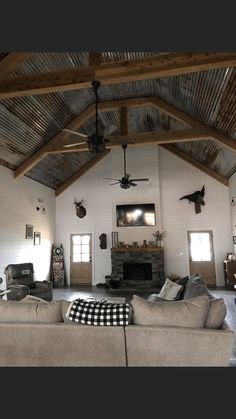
pixel 159 237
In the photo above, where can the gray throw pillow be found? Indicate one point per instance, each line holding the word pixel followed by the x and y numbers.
pixel 183 313
pixel 194 290
pixel 216 313
pixel 182 281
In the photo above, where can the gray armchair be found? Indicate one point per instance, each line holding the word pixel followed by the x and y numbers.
pixel 20 281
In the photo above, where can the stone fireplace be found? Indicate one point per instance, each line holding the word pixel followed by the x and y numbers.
pixel 138 267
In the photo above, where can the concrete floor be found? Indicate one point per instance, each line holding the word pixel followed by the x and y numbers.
pixel 85 291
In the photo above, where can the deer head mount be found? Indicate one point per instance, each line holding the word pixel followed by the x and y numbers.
pixel 80 210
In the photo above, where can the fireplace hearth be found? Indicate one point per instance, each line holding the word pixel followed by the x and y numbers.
pixel 141 268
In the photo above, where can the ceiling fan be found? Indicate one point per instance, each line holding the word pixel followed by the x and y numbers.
pixel 125 182
pixel 96 142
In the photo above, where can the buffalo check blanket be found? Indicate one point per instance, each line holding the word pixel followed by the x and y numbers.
pixel 98 313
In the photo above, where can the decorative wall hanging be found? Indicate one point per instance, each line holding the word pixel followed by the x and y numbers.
pixel 37 237
pixel 80 210
pixel 103 241
pixel 197 198
pixel 114 239
pixel 28 231
pixel 58 272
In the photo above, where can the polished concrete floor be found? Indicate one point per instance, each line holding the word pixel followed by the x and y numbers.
pixel 71 293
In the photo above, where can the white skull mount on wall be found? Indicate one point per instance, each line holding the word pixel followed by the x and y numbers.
pixel 80 210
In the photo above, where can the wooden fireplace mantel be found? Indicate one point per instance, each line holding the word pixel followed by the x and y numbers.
pixel 137 249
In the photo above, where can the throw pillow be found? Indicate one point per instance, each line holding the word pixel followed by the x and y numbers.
pixel 182 281
pixel 193 289
pixel 17 312
pixel 170 290
pixel 98 313
pixel 216 313
pixel 183 313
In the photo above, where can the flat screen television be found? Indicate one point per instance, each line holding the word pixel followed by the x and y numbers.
pixel 135 215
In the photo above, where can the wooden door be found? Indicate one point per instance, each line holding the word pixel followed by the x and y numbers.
pixel 201 255
pixel 81 259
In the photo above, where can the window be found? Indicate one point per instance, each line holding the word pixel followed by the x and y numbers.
pixel 81 248
pixel 200 247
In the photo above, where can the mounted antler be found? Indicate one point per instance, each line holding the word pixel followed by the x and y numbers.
pixel 80 210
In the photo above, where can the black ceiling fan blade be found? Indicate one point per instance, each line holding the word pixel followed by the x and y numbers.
pixel 110 178
pixel 140 180
pixel 133 184
pixel 115 183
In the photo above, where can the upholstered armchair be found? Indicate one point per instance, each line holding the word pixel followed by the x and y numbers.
pixel 20 281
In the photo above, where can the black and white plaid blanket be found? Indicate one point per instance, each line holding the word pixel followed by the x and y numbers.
pixel 98 313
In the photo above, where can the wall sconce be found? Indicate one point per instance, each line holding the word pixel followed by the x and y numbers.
pixel 233 200
pixel 42 208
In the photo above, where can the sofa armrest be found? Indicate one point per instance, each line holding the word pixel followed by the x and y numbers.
pixel 18 291
pixel 44 284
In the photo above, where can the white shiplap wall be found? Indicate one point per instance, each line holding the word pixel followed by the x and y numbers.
pixel 18 201
pixel 100 200
pixel 178 178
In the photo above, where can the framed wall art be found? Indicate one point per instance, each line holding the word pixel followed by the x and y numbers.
pixel 28 231
pixel 37 238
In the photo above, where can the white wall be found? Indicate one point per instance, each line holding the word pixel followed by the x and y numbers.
pixel 100 200
pixel 232 193
pixel 18 201
pixel 178 178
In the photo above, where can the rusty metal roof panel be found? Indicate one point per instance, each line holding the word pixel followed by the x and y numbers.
pixel 64 166
pixel 210 153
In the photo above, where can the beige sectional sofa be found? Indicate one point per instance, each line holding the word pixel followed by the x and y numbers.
pixel 37 334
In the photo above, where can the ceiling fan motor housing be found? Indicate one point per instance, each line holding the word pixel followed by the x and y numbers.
pixel 96 143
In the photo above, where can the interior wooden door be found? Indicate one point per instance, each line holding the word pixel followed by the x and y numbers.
pixel 201 255
pixel 81 259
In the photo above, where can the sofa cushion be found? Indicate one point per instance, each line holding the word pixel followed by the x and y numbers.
pixel 32 299
pixel 216 313
pixel 183 313
pixel 17 312
pixel 170 290
pixel 182 281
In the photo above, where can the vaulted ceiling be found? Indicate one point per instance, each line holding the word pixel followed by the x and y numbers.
pixel 184 102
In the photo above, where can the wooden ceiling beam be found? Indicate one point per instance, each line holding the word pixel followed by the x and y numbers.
pixel 55 141
pixel 179 153
pixel 56 144
pixel 11 61
pixel 150 67
pixel 84 169
pixel 142 138
pixel 58 141
pixel 95 58
pixel 194 123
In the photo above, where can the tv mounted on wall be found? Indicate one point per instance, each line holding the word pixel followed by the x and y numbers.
pixel 135 215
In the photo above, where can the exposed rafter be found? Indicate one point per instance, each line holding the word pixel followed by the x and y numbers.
pixel 95 58
pixel 194 123
pixel 80 172
pixel 11 61
pixel 179 153
pixel 142 138
pixel 120 72
pixel 200 131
